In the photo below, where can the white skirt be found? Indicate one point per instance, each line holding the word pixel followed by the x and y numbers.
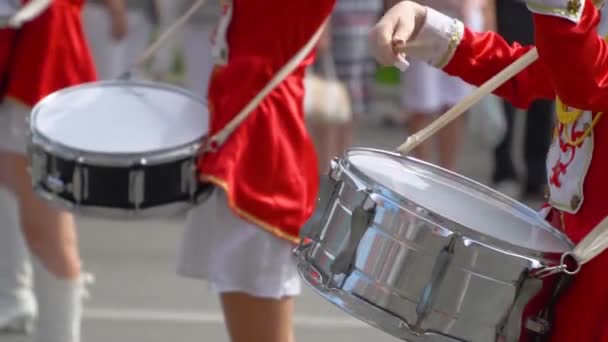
pixel 234 255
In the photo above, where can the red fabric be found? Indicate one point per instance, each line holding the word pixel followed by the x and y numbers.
pixel 268 166
pixel 574 66
pixel 50 53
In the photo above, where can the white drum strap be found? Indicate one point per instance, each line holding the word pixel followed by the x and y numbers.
pixel 217 140
pixel 591 246
pixel 27 13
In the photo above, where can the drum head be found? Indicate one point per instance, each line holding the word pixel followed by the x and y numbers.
pixel 121 117
pixel 485 212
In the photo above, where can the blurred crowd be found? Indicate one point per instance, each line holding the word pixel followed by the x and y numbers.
pixel 345 87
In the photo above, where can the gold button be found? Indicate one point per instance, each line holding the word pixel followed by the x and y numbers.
pixel 547 193
pixel 573 6
pixel 575 202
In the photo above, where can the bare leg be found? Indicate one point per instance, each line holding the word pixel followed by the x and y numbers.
pixel 17 302
pixel 416 122
pixel 251 319
pixel 51 237
pixel 450 140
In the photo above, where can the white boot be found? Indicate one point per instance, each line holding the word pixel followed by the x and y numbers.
pixel 59 306
pixel 17 303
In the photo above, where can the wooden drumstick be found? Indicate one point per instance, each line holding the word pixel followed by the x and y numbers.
pixel 453 113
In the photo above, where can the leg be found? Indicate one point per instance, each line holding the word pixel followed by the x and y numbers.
pixel 253 271
pixel 536 144
pixel 421 101
pixel 51 237
pixel 451 91
pixel 416 122
pixel 245 324
pixel 450 141
pixel 504 169
pixel 17 303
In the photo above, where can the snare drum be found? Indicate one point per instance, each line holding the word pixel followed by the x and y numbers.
pixel 118 148
pixel 425 254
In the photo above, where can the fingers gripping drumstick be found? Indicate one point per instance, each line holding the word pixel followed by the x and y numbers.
pixel 416 139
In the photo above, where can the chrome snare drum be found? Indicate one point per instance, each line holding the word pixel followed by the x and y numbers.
pixel 118 148
pixel 427 255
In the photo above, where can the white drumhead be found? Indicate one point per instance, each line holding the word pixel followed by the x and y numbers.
pixel 121 117
pixel 459 203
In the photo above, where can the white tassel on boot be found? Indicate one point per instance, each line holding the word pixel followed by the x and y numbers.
pixel 59 306
pixel 17 303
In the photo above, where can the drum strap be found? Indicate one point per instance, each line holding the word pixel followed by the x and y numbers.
pixel 218 139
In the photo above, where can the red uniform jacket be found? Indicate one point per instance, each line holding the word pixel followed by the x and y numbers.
pixel 573 65
pixel 268 166
pixel 46 54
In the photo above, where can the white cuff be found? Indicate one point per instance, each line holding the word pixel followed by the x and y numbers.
pixel 567 9
pixel 437 39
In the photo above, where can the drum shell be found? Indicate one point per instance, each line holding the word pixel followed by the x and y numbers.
pixel 394 264
pixel 157 182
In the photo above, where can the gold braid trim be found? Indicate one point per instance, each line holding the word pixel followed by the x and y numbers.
pixel 276 231
pixel 455 37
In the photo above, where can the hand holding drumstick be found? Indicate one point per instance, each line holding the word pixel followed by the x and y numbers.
pixel 393 36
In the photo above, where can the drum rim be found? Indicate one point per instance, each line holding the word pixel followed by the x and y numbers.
pixel 463 231
pixel 154 157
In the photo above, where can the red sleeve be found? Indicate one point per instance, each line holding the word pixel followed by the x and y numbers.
pixel 576 58
pixel 480 56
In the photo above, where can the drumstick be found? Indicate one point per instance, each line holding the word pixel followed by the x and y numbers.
pixel 453 113
pixel 170 32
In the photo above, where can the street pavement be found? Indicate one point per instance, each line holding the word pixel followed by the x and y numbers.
pixel 137 296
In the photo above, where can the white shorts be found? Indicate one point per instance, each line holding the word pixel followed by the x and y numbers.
pixel 427 90
pixel 234 255
pixel 13 127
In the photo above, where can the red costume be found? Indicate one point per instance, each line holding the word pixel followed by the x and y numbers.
pixel 572 66
pixel 46 54
pixel 268 166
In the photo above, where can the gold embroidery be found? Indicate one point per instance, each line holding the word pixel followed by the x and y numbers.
pixel 572 9
pixel 455 37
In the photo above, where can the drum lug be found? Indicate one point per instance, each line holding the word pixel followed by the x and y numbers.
pixel 189 179
pixel 430 293
pixel 361 219
pixel 80 181
pixel 334 169
pixel 136 187
pixel 38 161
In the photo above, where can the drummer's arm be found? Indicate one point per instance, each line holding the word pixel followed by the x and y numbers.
pixel 575 55
pixel 476 57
